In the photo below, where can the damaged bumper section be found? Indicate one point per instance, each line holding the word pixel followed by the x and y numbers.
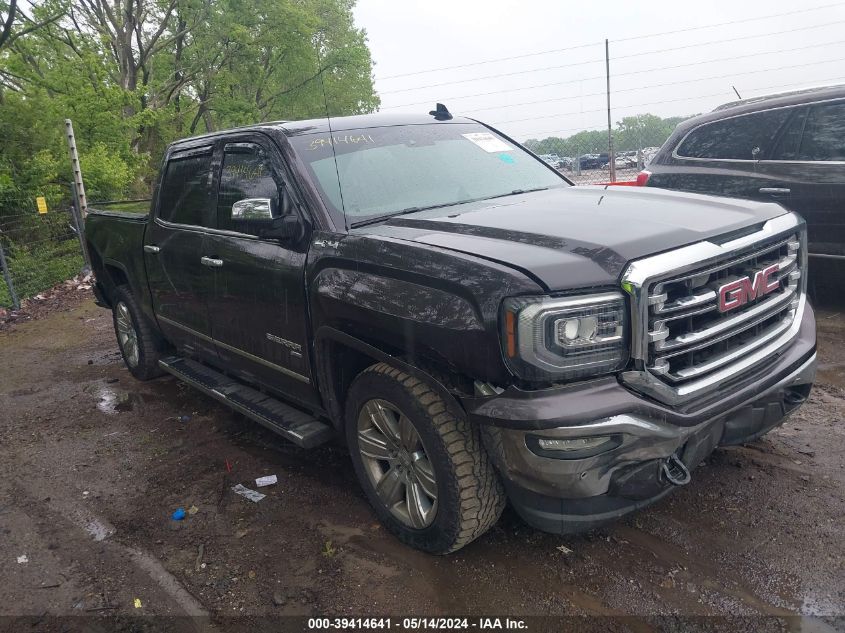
pixel 574 457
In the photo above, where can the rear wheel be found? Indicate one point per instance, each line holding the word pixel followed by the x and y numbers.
pixel 421 465
pixel 138 344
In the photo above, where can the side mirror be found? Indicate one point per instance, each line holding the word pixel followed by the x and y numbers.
pixel 253 209
pixel 287 228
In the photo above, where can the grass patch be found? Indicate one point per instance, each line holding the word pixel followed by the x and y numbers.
pixel 37 269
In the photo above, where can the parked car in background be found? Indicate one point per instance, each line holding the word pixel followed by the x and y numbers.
pixel 565 163
pixel 594 161
pixel 623 162
pixel 787 148
pixel 648 154
pixel 551 159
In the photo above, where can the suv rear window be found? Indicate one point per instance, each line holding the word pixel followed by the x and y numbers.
pixel 186 189
pixel 824 133
pixel 745 137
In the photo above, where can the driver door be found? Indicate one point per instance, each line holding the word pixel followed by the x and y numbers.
pixel 258 310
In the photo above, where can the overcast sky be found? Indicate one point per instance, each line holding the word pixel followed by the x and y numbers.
pixel 764 54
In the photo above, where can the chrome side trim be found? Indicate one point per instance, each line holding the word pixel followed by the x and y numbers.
pixel 205 229
pixel 235 350
pixel 825 256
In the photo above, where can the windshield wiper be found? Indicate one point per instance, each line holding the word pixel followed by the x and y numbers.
pixel 387 216
pixel 515 192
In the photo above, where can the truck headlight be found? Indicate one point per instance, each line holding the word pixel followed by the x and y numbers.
pixel 564 338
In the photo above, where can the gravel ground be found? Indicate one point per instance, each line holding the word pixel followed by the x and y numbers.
pixel 93 463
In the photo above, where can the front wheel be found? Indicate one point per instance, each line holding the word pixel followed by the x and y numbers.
pixel 421 465
pixel 138 344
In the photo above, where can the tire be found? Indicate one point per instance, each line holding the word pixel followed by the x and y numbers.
pixel 141 358
pixel 469 496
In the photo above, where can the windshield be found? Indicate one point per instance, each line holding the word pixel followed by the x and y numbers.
pixel 387 170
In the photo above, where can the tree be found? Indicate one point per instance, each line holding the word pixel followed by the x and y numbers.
pixel 631 133
pixel 7 36
pixel 135 74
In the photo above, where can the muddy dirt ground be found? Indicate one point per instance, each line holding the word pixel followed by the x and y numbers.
pixel 93 463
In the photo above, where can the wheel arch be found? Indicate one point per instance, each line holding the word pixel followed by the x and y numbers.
pixel 341 357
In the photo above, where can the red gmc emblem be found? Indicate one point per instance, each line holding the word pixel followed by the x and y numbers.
pixel 739 292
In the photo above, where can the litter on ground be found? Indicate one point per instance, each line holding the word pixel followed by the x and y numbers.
pixel 252 495
pixel 268 480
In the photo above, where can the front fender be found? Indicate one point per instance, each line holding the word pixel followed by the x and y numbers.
pixel 421 303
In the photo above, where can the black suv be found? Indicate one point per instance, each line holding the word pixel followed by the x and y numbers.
pixel 788 148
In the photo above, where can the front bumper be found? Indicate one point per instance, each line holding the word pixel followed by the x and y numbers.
pixel 570 495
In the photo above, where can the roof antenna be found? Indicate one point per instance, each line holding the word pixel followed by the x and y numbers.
pixel 331 135
pixel 737 93
pixel 441 113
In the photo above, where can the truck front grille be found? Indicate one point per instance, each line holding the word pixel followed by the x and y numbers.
pixel 684 345
pixel 689 337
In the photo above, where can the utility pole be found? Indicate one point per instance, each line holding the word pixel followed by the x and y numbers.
pixel 77 170
pixel 610 154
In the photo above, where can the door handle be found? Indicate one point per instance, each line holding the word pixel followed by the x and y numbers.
pixel 151 248
pixel 210 261
pixel 776 191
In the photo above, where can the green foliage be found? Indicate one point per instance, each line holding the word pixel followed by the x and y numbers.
pixel 107 175
pixel 133 75
pixel 631 133
pixel 188 66
pixel 39 266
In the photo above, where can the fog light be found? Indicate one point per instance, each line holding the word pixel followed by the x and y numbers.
pixel 575 444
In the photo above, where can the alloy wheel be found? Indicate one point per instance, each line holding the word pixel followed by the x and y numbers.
pixel 127 337
pixel 397 463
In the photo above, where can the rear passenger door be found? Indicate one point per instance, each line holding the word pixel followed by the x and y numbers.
pixel 174 243
pixel 724 157
pixel 258 312
pixel 809 167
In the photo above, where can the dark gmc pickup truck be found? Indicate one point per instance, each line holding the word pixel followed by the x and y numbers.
pixel 473 327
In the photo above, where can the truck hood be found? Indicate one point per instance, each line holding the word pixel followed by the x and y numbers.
pixel 576 237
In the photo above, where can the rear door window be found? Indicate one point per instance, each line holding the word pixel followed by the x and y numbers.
pixel 824 133
pixel 746 137
pixel 789 143
pixel 186 192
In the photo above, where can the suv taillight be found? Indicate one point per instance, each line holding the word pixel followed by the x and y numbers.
pixel 642 178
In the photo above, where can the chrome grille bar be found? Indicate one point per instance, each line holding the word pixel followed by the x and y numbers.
pixel 733 324
pixel 683 343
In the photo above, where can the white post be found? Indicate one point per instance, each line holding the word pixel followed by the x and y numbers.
pixel 77 170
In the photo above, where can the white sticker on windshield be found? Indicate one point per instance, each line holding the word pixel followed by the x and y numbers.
pixel 488 142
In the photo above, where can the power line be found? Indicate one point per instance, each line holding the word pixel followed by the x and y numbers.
pixel 626 39
pixel 603 126
pixel 632 72
pixel 595 61
pixel 663 85
pixel 639 105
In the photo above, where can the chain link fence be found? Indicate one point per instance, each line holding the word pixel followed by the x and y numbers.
pixel 583 157
pixel 39 249
pixel 584 166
